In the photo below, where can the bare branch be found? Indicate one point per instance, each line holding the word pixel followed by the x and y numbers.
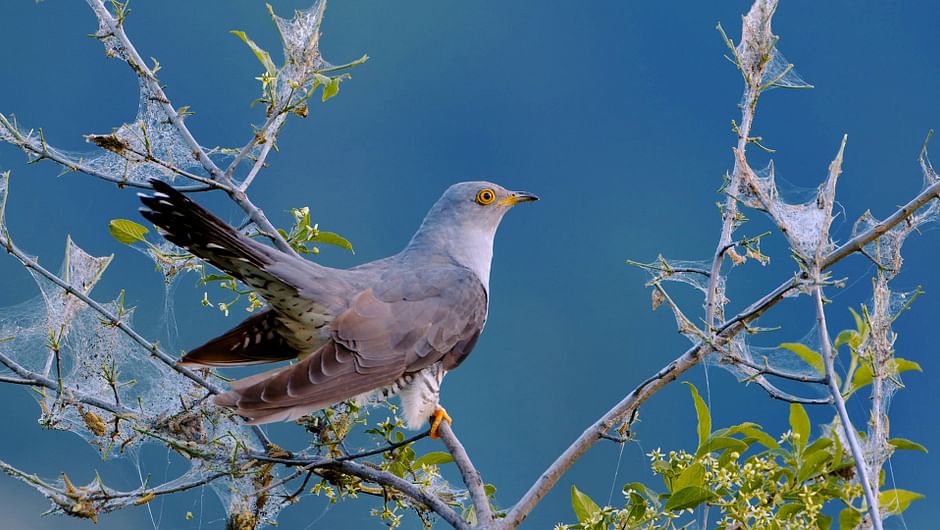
pixel 776 393
pixel 471 477
pixel 847 428
pixel 315 462
pixel 69 394
pixel 765 369
pixel 116 29
pixel 42 150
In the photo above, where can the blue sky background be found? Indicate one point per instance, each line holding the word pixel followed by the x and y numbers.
pixel 616 113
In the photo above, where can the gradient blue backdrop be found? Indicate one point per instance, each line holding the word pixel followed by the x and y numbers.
pixel 616 113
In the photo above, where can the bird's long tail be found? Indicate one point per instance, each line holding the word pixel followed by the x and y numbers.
pixel 189 225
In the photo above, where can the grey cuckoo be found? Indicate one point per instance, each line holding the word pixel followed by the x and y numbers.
pixel 391 326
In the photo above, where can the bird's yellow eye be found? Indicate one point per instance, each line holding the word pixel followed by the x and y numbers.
pixel 486 196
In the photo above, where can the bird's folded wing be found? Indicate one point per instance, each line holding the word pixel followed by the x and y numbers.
pixel 404 325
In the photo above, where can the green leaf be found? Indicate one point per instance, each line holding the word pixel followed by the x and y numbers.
pixel 820 443
pixel 789 510
pixel 127 231
pixel 812 464
pixel 638 507
pixel 896 501
pixel 640 487
pixel 332 238
pixel 688 498
pixel 849 519
pixel 860 323
pixel 694 475
pixel 704 417
pixel 397 469
pixel 489 490
pixel 331 88
pixel 434 458
pixel 753 432
pixel 799 425
pixel 824 522
pixel 848 336
pixel 902 443
pixel 864 375
pixel 904 365
pixel 261 54
pixel 584 507
pixel 812 358
pixel 721 443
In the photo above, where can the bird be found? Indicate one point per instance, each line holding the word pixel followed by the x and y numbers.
pixel 393 326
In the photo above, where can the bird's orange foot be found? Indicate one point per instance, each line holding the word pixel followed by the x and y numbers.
pixel 439 415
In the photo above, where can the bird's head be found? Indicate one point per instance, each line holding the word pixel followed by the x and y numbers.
pixel 462 223
pixel 477 205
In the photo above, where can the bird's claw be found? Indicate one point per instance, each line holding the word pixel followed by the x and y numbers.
pixel 439 415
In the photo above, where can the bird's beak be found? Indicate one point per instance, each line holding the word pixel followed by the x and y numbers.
pixel 518 196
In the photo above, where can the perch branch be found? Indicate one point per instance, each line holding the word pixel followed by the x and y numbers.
pixel 471 477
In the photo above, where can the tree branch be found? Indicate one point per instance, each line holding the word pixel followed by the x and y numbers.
pixel 471 477
pixel 44 151
pixel 690 358
pixel 153 348
pixel 315 462
pixel 776 393
pixel 407 488
pixel 765 369
pixel 847 428
pixel 116 29
pixel 69 394
pixel 376 476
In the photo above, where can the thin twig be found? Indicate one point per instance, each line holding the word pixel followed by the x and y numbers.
pixel 28 377
pixel 776 393
pixel 44 151
pixel 154 349
pixel 377 476
pixel 847 428
pixel 407 488
pixel 162 490
pixel 767 370
pixel 318 462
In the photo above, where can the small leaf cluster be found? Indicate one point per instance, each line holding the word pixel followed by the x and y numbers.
pixel 304 236
pixel 302 73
